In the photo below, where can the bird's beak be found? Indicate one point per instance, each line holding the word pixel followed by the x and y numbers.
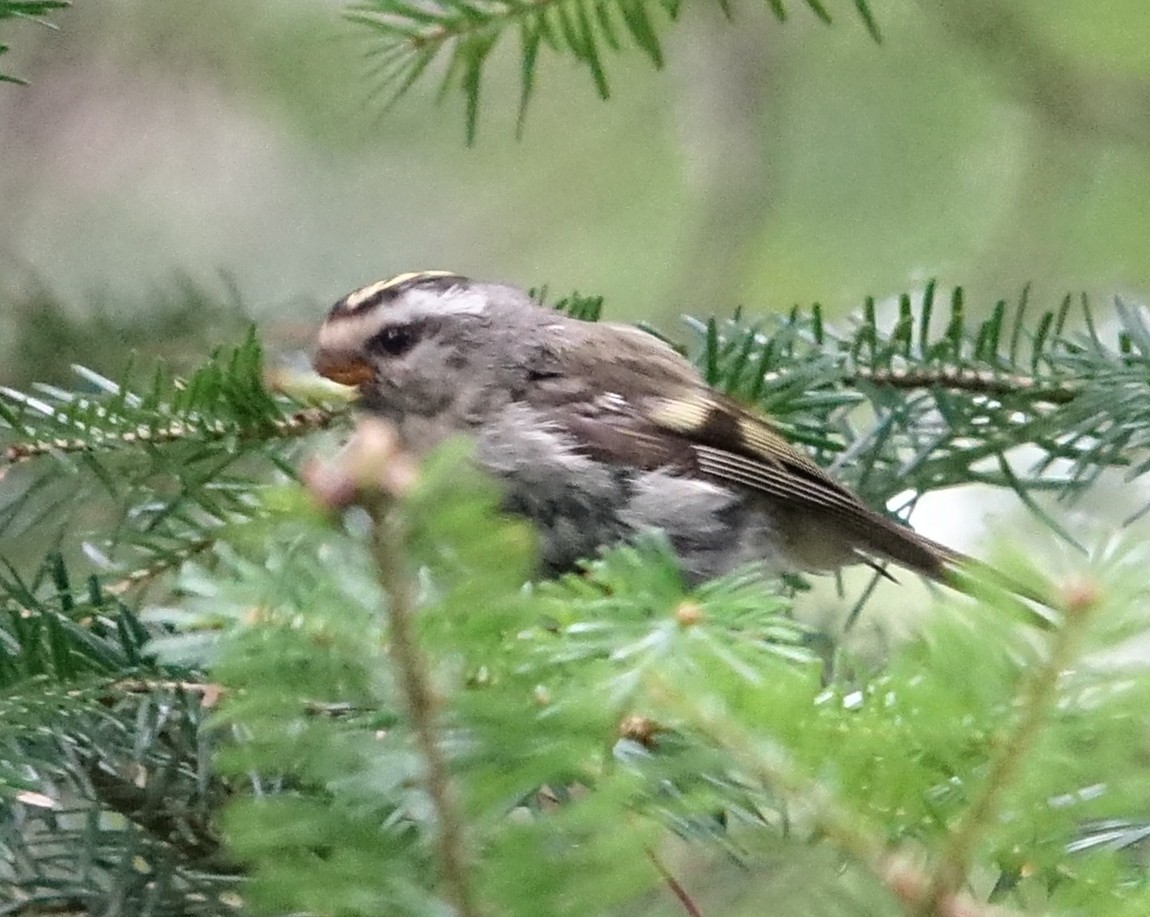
pixel 342 366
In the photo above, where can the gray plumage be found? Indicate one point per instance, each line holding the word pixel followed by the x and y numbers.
pixel 599 432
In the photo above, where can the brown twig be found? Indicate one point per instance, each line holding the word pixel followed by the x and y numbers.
pixel 209 692
pixel 389 552
pixel 672 883
pixel 1036 700
pixel 976 381
pixel 909 883
pixel 144 575
pixel 298 423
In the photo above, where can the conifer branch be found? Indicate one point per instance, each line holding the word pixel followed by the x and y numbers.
pixel 190 834
pixel 975 390
pixel 27 9
pixel 298 423
pixel 769 764
pixel 169 561
pixel 772 768
pixel 372 471
pixel 390 555
pixel 960 378
pixel 674 885
pixel 1035 702
pixel 414 33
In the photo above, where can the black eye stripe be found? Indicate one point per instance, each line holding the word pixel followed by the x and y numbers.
pixel 395 340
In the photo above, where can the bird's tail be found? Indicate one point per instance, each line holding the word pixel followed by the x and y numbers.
pixel 952 568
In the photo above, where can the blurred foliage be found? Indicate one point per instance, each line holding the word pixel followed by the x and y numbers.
pixel 154 138
pixel 412 36
pixel 25 9
pixel 173 460
pixel 613 741
pixel 179 324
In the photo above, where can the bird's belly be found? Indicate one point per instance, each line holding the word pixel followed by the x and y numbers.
pixel 580 504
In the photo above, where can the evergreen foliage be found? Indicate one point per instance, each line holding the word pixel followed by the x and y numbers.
pixel 229 685
pixel 411 35
pixel 178 320
pixel 346 701
pixel 26 9
pixel 964 396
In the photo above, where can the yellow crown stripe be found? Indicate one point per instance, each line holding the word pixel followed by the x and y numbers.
pixel 414 275
pixel 354 300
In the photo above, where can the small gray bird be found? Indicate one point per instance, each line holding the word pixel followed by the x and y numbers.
pixel 600 431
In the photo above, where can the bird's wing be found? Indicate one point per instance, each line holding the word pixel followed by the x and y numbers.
pixel 704 434
pixel 621 415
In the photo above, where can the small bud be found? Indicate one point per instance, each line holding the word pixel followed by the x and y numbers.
pixel 688 614
pixel 640 729
pixel 906 881
pixel 912 886
pixel 1078 595
pixel 257 615
pixel 373 461
pixel 327 483
pixel 210 695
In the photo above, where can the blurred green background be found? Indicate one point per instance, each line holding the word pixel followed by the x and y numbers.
pixel 175 169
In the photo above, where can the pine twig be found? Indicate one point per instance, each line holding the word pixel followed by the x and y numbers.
pixel 1038 697
pixel 145 575
pixel 911 885
pixel 677 889
pixel 371 472
pixel 388 552
pixel 959 378
pixel 208 692
pixel 298 423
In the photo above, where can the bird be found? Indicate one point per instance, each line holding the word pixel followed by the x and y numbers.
pixel 599 432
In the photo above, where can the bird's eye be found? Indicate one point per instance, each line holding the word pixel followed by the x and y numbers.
pixel 395 341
